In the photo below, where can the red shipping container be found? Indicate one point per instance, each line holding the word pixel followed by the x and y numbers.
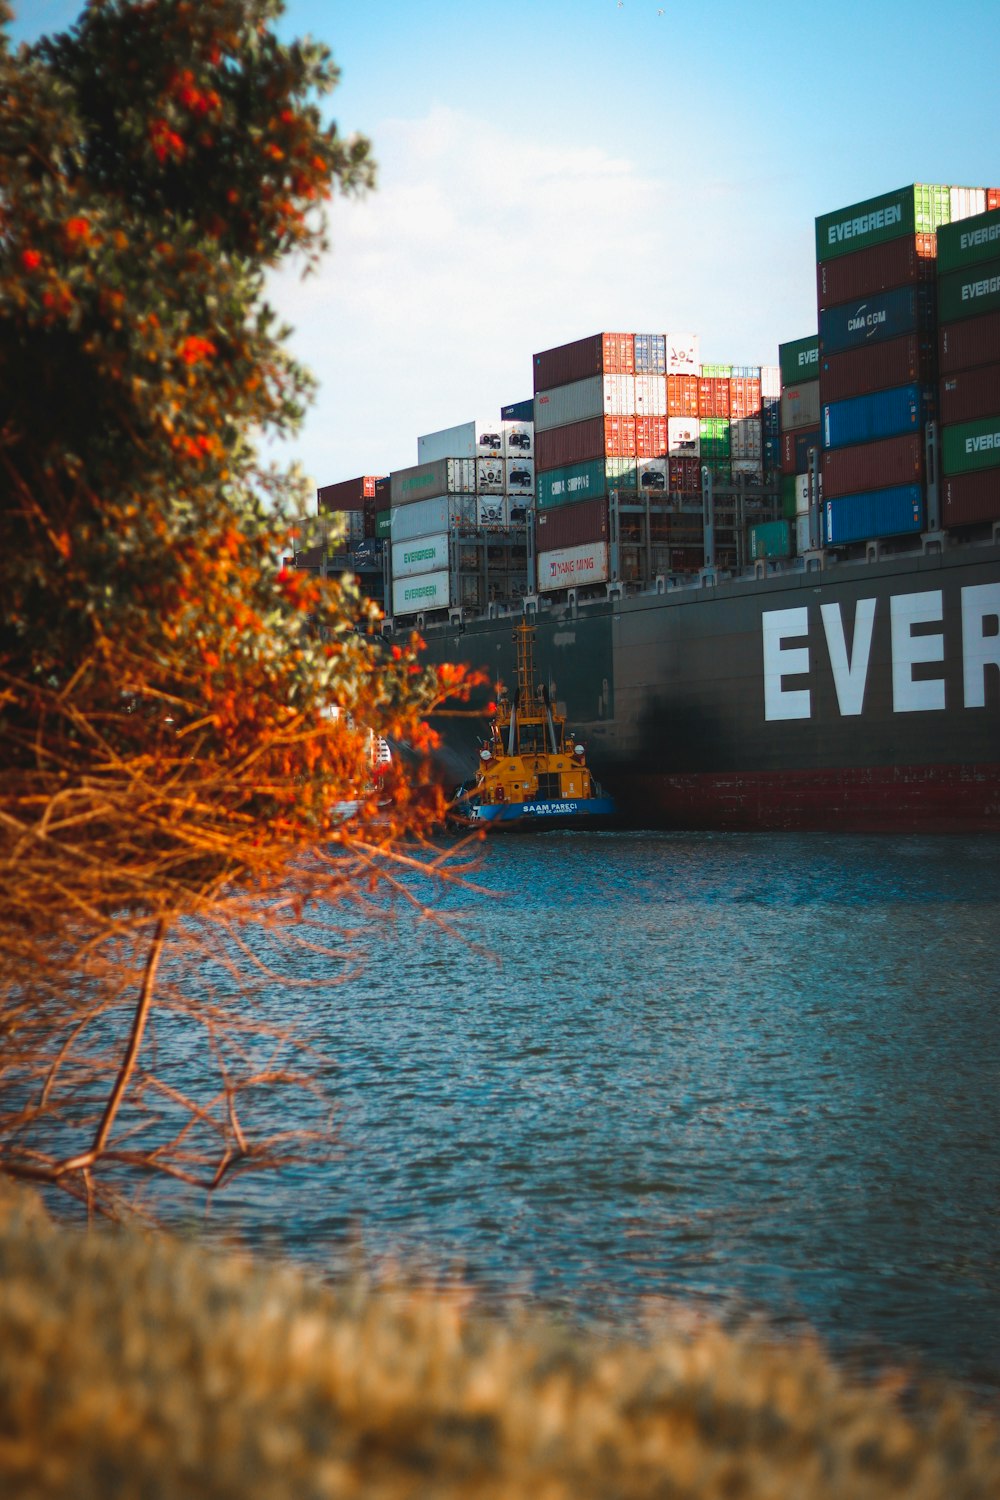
pixel 970 394
pixel 598 354
pixel 876 367
pixel 744 397
pixel 877 269
pixel 650 437
pixel 970 498
pixel 992 199
pixel 795 447
pixel 684 475
pixel 873 466
pixel 571 525
pixel 971 342
pixel 598 437
pixel 348 494
pixel 682 395
pixel 713 396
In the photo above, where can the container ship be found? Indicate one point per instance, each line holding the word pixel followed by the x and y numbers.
pixel 764 597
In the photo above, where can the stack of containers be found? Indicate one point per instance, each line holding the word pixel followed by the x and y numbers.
pixel 503 453
pixel 746 438
pixel 354 500
pixel 585 446
pixel 428 501
pixel 798 372
pixel 877 326
pixel 770 419
pixel 714 396
pixel 969 349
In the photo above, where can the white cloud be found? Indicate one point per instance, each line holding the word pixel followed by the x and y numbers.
pixel 479 248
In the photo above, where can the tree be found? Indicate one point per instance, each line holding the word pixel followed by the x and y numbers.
pixel 183 724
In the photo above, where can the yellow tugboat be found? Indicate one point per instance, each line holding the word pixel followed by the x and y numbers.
pixel 531 773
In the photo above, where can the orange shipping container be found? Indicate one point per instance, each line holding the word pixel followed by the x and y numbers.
pixel 650 437
pixel 744 396
pixel 713 396
pixel 682 395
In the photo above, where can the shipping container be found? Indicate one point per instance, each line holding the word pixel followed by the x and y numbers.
pixel 492 512
pixel 425 517
pixel 877 316
pixel 367 554
pixel 347 494
pixel 966 203
pixel 713 433
pixel 520 476
pixel 427 591
pixel 652 475
pixel 920 208
pixel 800 406
pixel 903 262
pixel 580 441
pixel 911 360
pixel 803 492
pixel 466 440
pixel 798 360
pixel 788 495
pixel 446 476
pixel 597 354
pixel 608 395
pixel 795 447
pixel 518 411
pixel 682 395
pixel 683 436
pixel 383 524
pixel 971 445
pixel 770 382
pixel 571 525
pixel 970 499
pixel 717 372
pixel 745 442
pixel 568 485
pixel 874 466
pixel 751 468
pixel 992 198
pixel 683 475
pixel 518 439
pixel 573 567
pixel 683 353
pixel 428 554
pixel 651 353
pixel 969 293
pixel 770 539
pixel 490 476
pixel 744 395
pixel 880 513
pixel 864 419
pixel 621 474
pixel 713 396
pixel 969 243
pixel 803 538
pixel 650 437
pixel 963 346
pixel 650 395
pixel 969 394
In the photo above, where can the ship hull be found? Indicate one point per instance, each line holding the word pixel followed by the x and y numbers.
pixel 863 696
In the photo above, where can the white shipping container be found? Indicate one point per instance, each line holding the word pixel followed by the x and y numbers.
pixel 745 438
pixel 520 476
pixel 683 437
pixel 426 591
pixel 426 554
pixel 651 395
pixel 597 396
pixel 518 440
pixel 425 517
pixel 442 476
pixel 966 201
pixel 683 354
pixel 800 406
pixel 752 467
pixel 490 476
pixel 652 474
pixel 770 381
pixel 802 493
pixel 570 567
pixel 492 512
pixel 467 440
pixel 802 543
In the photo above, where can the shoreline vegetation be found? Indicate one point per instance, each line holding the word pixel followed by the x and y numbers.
pixel 132 1364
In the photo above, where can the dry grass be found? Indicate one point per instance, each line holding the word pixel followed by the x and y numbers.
pixel 131 1365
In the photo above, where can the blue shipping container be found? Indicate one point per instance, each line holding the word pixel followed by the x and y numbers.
pixel 770 416
pixel 876 513
pixel 521 411
pixel 864 419
pixel 651 353
pixel 883 315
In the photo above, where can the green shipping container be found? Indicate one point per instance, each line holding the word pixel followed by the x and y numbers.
pixel 717 372
pixel 968 242
pixel 584 481
pixel 789 502
pixel 799 360
pixel 921 208
pixel 771 539
pixel 714 433
pixel 966 294
pixel 971 445
pixel 382 523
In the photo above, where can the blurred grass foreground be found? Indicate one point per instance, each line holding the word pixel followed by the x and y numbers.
pixel 134 1365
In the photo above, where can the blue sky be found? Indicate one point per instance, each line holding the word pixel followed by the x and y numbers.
pixel 552 169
